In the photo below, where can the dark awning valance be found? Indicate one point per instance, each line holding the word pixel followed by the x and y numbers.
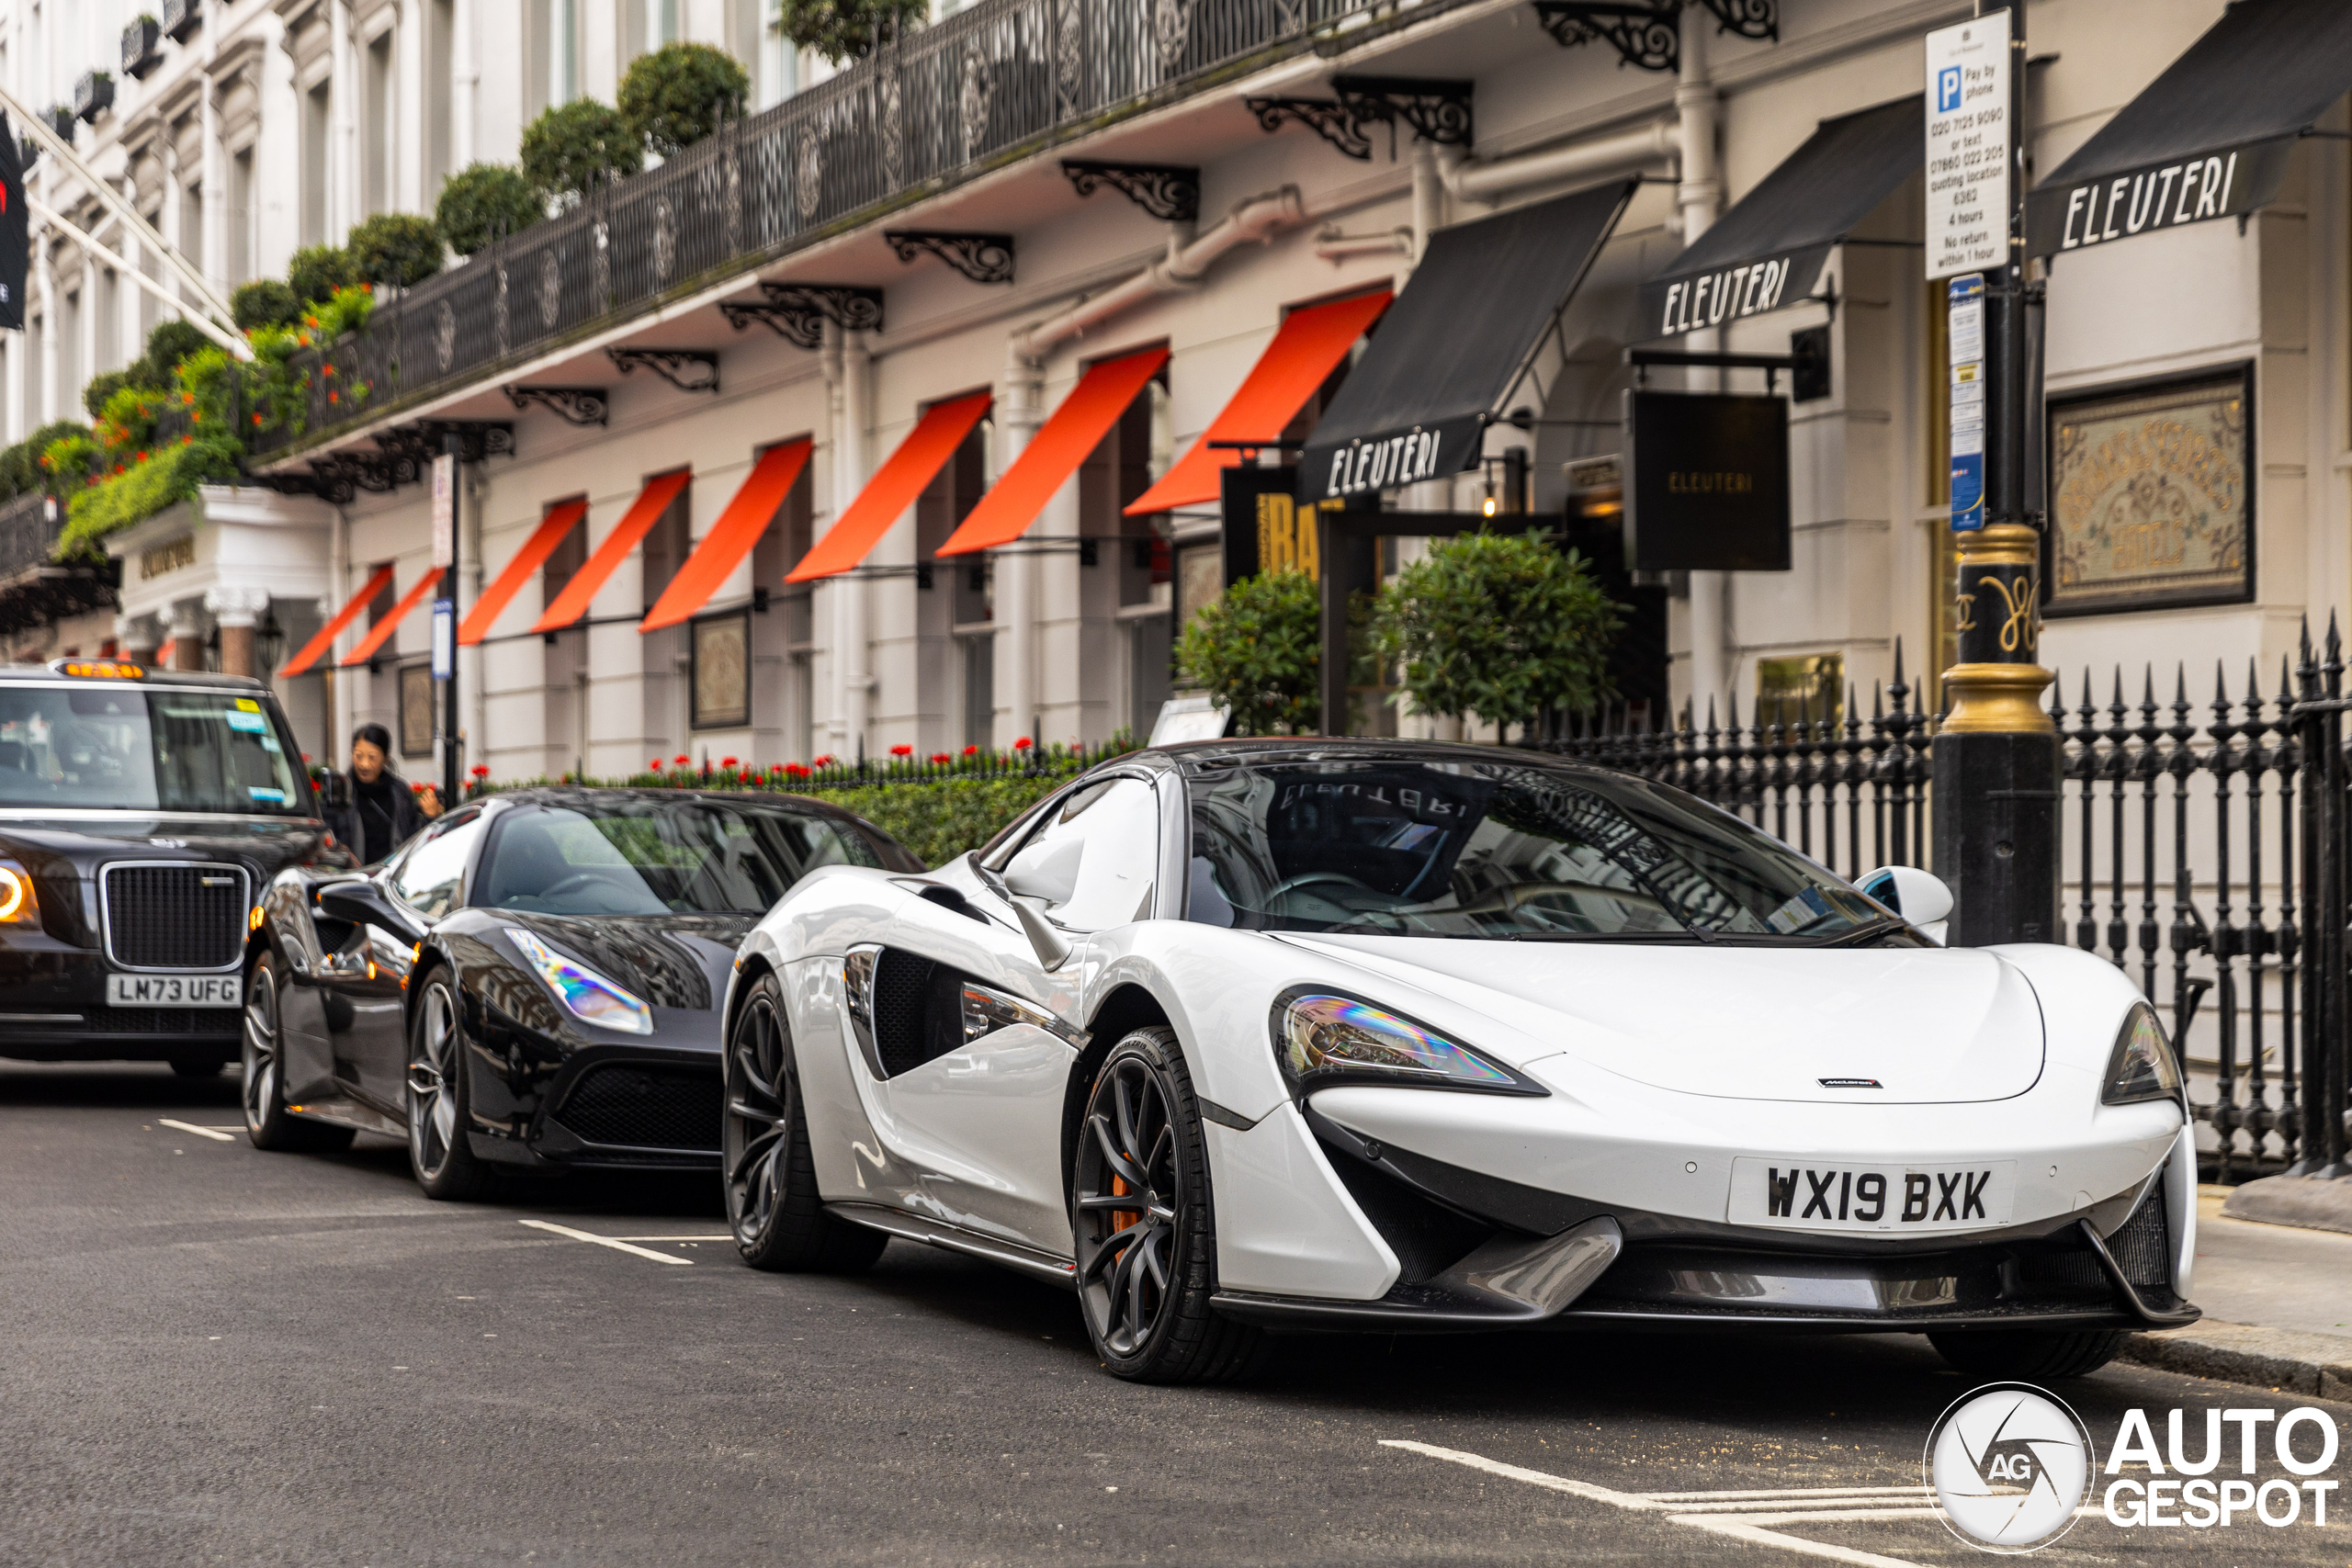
pixel 1455 343
pixel 2209 137
pixel 1784 228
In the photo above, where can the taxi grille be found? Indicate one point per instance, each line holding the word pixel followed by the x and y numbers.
pixel 176 916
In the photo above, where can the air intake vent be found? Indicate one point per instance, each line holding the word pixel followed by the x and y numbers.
pixel 652 1107
pixel 176 916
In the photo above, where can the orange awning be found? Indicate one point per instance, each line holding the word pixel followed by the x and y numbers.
pixel 1309 347
pixel 1061 443
pixel 318 646
pixel 381 632
pixel 635 524
pixel 528 559
pixel 732 537
pixel 893 487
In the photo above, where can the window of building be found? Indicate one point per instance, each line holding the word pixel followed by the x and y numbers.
pixel 315 122
pixel 563 38
pixel 440 32
pixel 666 23
pixel 380 129
pixel 192 223
pixel 244 234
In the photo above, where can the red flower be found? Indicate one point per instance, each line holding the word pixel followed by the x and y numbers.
pixel 481 770
pixel 418 788
pixel 655 764
pixel 902 750
pixel 727 761
pixel 143 456
pixel 941 759
pixel 971 751
pixel 796 769
pixel 256 419
pixel 680 759
pixel 326 369
pixel 824 761
pixel 1021 744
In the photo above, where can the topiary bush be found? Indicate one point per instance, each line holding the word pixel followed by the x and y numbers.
pixel 20 466
pixel 849 30
pixel 573 146
pixel 263 302
pixel 317 271
pixel 483 201
pixel 171 342
pixel 1501 627
pixel 1259 650
pixel 395 248
pixel 677 95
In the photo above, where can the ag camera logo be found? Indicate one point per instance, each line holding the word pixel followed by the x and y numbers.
pixel 2008 1465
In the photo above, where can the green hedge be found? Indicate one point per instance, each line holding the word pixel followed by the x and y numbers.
pixel 940 821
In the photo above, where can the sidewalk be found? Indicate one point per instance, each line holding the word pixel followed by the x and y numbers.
pixel 2277 1303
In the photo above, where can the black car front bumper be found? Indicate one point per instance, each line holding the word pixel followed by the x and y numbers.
pixel 53 1008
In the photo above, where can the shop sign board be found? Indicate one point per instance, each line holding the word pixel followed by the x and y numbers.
pixel 1710 482
pixel 1969 154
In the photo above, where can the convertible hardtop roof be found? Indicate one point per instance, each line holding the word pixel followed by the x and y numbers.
pixel 1194 756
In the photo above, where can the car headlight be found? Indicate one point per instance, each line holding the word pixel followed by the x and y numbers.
pixel 588 996
pixel 19 903
pixel 2142 1066
pixel 1320 1038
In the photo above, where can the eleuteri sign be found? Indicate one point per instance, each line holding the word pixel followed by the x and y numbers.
pixel 1708 485
pixel 2226 184
pixel 1673 305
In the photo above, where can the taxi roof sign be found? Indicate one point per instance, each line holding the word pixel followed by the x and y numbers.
pixel 100 669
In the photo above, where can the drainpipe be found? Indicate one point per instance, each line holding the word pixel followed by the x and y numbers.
pixel 1698 197
pixel 837 589
pixel 338 587
pixel 1019 411
pixel 1642 147
pixel 855 661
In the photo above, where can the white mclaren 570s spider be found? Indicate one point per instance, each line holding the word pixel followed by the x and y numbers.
pixel 1242 1037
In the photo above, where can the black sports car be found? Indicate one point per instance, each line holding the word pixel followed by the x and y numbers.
pixel 141 812
pixel 532 982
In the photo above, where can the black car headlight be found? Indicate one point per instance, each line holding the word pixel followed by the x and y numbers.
pixel 19 905
pixel 2141 1066
pixel 1321 1038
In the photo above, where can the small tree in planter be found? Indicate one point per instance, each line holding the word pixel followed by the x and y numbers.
pixel 397 248
pixel 483 201
pixel 1258 650
pixel 1500 627
pixel 843 30
pixel 264 302
pixel 317 271
pixel 572 147
pixel 678 94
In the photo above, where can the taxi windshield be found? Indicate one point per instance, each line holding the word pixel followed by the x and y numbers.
pixel 156 748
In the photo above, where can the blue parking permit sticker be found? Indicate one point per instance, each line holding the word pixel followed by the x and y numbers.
pixel 253 723
pixel 275 797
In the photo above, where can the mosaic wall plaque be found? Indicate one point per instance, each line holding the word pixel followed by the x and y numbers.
pixel 2151 503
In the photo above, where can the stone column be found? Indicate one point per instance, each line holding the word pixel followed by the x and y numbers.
pixel 188 635
pixel 135 636
pixel 236 611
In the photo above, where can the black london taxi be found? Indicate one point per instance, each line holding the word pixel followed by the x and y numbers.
pixel 143 813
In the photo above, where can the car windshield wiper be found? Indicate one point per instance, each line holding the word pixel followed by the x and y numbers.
pixel 1883 925
pixel 1683 934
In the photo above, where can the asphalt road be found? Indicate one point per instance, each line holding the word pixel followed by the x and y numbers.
pixel 219 1356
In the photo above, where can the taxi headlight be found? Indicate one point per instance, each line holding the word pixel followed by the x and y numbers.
pixel 2141 1066
pixel 19 905
pixel 1321 1038
pixel 587 994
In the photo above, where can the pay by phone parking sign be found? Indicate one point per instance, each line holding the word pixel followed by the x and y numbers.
pixel 1969 146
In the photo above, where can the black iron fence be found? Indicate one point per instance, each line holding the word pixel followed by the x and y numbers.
pixel 2208 856
pixel 946 103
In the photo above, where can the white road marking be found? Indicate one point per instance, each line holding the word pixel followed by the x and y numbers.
pixel 672 1238
pixel 616 1244
pixel 1739 1515
pixel 191 1127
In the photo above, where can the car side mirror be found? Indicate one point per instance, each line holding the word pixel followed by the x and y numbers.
pixel 1049 945
pixel 1047 872
pixel 362 903
pixel 1919 896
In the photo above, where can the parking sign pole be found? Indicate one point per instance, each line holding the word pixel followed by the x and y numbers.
pixel 445 487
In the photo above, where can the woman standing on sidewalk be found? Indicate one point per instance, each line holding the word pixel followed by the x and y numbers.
pixel 381 810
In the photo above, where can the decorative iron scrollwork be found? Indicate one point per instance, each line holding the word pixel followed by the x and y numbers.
pixel 688 369
pixel 1646 32
pixel 1438 111
pixel 419 444
pixel 573 405
pixel 983 258
pixel 797 313
pixel 802 329
pixel 1170 192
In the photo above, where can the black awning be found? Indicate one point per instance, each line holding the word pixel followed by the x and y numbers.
pixel 2209 137
pixel 1455 343
pixel 1785 228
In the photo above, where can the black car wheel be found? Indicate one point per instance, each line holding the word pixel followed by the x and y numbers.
pixel 2029 1355
pixel 1146 1233
pixel 771 1179
pixel 268 1124
pixel 438 1152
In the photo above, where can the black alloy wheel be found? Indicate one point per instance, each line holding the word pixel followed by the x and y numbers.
pixel 268 1124
pixel 2029 1355
pixel 445 1163
pixel 1145 1229
pixel 769 1175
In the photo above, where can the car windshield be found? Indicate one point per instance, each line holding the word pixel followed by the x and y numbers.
pixel 152 748
pixel 1503 849
pixel 639 857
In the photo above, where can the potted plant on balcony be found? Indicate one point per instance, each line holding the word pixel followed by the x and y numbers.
pixel 143 46
pixel 93 96
pixel 844 30
pixel 182 18
pixel 61 120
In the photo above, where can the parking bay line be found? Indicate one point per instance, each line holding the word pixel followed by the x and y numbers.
pixel 1749 1528
pixel 192 1127
pixel 616 1244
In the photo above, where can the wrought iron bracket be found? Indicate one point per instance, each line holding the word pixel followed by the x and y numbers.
pixel 1646 32
pixel 1170 192
pixel 573 405
pixel 688 369
pixel 983 258
pixel 424 440
pixel 1436 110
pixel 797 313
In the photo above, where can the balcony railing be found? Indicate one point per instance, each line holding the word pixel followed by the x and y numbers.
pixel 989 85
pixel 27 536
